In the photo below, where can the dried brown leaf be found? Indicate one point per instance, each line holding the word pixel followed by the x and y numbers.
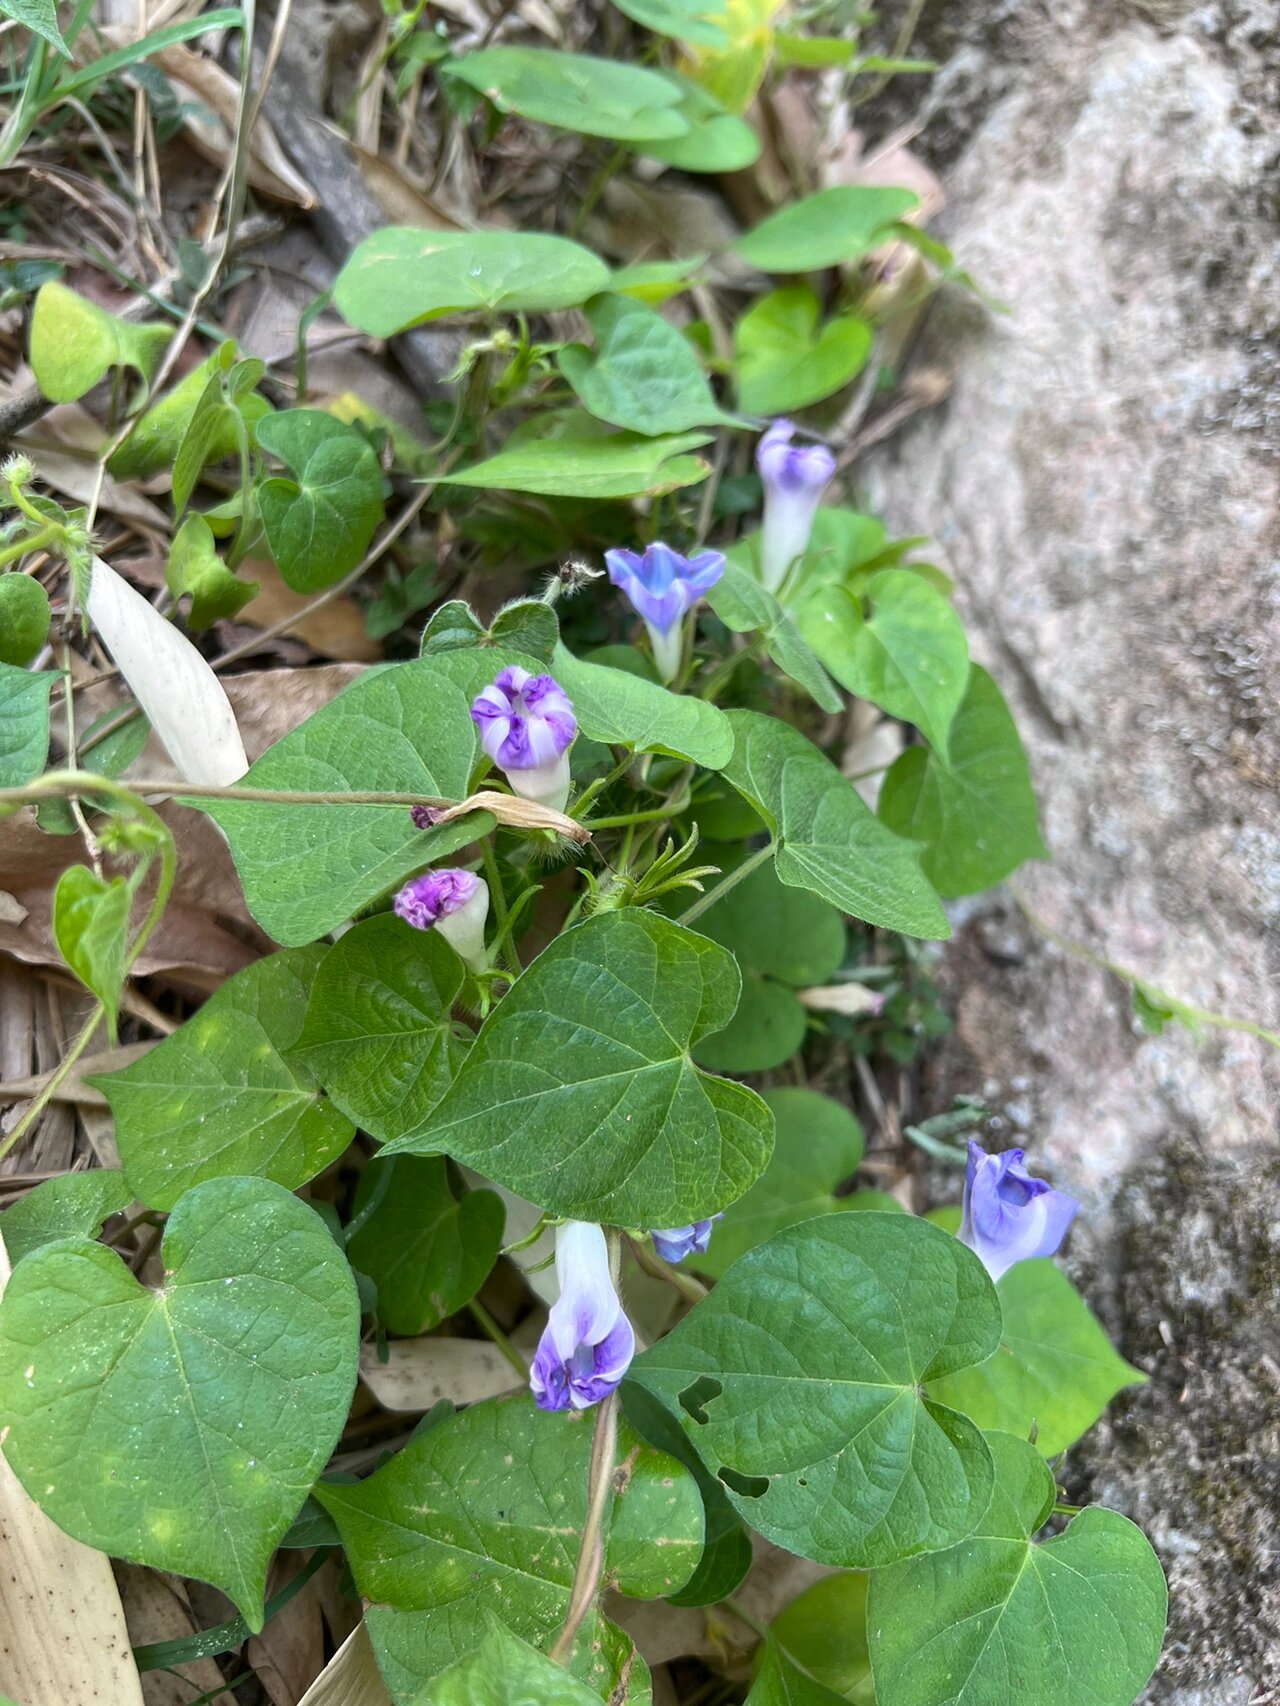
pixel 419 1372
pixel 351 1677
pixel 156 1609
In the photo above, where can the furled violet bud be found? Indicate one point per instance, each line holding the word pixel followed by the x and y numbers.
pixel 663 587
pixel 587 1344
pixel 681 1241
pixel 1008 1215
pixel 456 903
pixel 795 477
pixel 526 726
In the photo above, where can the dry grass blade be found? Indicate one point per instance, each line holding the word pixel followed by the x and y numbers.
pixel 517 813
pixel 63 1639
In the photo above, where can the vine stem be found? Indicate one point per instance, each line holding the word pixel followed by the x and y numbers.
pixel 692 1290
pixel 1078 950
pixel 720 889
pixel 590 1566
pixel 75 781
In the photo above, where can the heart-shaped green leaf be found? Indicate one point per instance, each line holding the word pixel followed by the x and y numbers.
pixel 195 567
pixel 427 1251
pixel 486 1510
pixel 1055 1371
pixel 74 343
pixel 817 1146
pixel 642 375
pixel 90 925
pixel 319 523
pixel 622 465
pixel 747 607
pixel 975 812
pixel 182 1428
pixel 24 723
pixel 828 841
pixel 798 1381
pixel 1073 1619
pixel 575 91
pixel 580 1091
pixel 379 1032
pixel 39 16
pixel 402 276
pixel 218 1099
pixel 505 1671
pixel 716 139
pixel 701 22
pixel 780 1682
pixel 908 655
pixel 784 360
pixel 626 710
pixel 24 619
pixel 307 868
pixel 824 230
pixel 824 1629
pixel 76 1204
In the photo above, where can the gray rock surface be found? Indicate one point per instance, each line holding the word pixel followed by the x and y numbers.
pixel 1105 486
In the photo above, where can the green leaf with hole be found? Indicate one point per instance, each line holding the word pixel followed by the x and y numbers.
pixel 90 926
pixel 319 523
pixel 782 939
pixel 575 91
pixel 975 813
pixel 24 723
pixel 824 230
pixel 907 654
pixel 379 1032
pixel 643 373
pixel 817 1146
pixel 40 17
pixel 195 567
pixel 427 1251
pixel 76 1204
pixel 622 709
pixel 1055 1371
pixel 223 1097
pixel 798 1382
pixel 505 1671
pixel 1079 1617
pixel 402 276
pixel 828 841
pixel 580 1091
pixel 716 139
pixel 783 359
pixel 747 607
pixel 621 465
pixel 703 23
pixel 24 619
pixel 780 1682
pixel 307 868
pixel 486 1510
pixel 74 343
pixel 183 1428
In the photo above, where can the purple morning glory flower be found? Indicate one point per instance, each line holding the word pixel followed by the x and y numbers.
pixel 663 587
pixel 456 903
pixel 681 1241
pixel 1008 1215
pixel 526 726
pixel 587 1344
pixel 795 477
